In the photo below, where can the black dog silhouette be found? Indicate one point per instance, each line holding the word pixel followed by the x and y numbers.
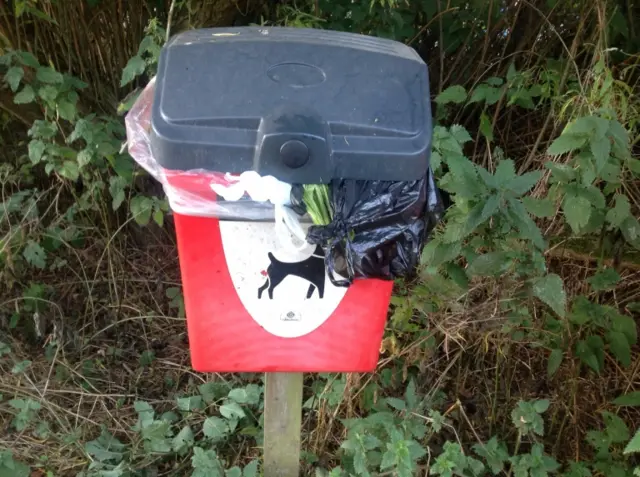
pixel 311 269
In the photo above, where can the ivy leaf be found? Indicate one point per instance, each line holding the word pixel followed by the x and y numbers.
pixel 619 347
pixel 453 94
pixel 70 170
pixel 251 469
pixel 539 207
pixel 189 404
pixel 232 410
pixel 630 399
pixel 48 75
pixel 20 367
pixel 141 208
pixel 215 428
pixel 35 255
pixel 554 362
pixel 577 211
pixel 492 263
pixel 566 143
pixel 183 440
pixel 233 472
pixel 634 445
pixel 26 95
pixel 604 280
pixel 550 290
pixel 13 76
pixel 135 67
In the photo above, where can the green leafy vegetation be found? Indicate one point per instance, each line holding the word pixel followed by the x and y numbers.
pixel 513 352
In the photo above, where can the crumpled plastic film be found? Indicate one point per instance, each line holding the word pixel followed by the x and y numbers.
pixel 378 228
pixel 189 192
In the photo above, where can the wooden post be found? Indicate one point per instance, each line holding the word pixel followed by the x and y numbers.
pixel 282 422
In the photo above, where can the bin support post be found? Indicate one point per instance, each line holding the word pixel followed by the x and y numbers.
pixel 282 423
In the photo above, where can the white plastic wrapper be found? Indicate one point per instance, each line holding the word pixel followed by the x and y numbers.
pixel 200 192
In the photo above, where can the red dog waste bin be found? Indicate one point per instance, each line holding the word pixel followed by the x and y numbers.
pixel 303 106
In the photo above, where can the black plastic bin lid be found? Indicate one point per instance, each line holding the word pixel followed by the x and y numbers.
pixel 303 105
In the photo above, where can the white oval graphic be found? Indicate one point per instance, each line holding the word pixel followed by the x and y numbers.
pixel 287 292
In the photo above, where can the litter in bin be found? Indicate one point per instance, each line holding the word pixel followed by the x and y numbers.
pixel 368 229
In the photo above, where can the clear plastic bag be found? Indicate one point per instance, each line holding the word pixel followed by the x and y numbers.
pixel 190 192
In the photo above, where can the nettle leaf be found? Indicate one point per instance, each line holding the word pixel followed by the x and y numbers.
pixel 486 127
pixel 601 149
pixel 589 354
pixel 561 172
pixel 460 134
pixel 70 170
pixel 550 290
pixel 48 93
pixel 634 445
pixel 617 429
pixel 604 280
pixel 13 76
pixel 66 109
pixel 35 255
pixel 49 75
pixel 630 229
pixel 487 93
pixel 26 95
pixel 577 211
pixel 618 214
pixel 135 67
pixel 453 94
pixel 517 215
pixel 495 453
pixel 629 399
pixel 117 186
pixel 625 325
pixel 105 448
pixel 522 184
pixel 554 362
pixel 539 207
pixel 619 347
pixel 492 264
pixel 206 463
pixel 566 143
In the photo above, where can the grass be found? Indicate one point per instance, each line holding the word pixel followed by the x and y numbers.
pixel 94 379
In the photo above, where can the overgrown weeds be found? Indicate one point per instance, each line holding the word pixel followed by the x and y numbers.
pixel 514 352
